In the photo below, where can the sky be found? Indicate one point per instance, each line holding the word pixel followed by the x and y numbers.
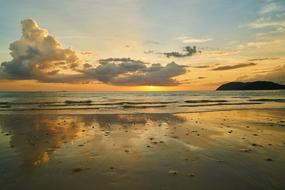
pixel 126 45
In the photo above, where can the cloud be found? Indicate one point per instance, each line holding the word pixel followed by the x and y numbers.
pixel 201 66
pixel 266 22
pixel 151 42
pixel 188 51
pixel 264 46
pixel 275 75
pixel 271 8
pixel 189 39
pixel 37 55
pixel 88 53
pixel 230 67
pixel 264 59
pixel 128 72
pixel 149 52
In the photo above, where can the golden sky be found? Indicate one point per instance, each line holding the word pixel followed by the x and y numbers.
pixel 139 45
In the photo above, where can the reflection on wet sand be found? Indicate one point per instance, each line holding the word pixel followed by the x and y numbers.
pixel 218 150
pixel 36 138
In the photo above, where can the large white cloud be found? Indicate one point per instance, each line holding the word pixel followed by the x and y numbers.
pixel 37 55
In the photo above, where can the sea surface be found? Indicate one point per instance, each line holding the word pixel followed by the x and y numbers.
pixel 138 102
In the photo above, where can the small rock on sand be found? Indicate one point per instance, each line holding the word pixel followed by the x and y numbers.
pixel 75 170
pixel 191 174
pixel 245 150
pixel 173 172
pixel 269 159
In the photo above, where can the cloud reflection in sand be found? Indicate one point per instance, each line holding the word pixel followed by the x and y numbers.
pixel 36 138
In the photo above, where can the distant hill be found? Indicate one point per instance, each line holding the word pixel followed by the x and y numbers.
pixel 257 85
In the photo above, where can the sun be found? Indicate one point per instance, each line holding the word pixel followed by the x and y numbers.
pixel 151 88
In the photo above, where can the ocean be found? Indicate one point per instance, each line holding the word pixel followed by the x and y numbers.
pixel 138 102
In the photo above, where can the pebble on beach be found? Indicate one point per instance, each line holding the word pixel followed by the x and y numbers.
pixel 245 150
pixel 173 172
pixel 191 174
pixel 75 170
pixel 269 159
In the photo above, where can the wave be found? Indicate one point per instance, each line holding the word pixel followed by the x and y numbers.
pixel 267 100
pixel 26 103
pixel 136 103
pixel 152 106
pixel 84 102
pixel 170 102
pixel 5 106
pixel 78 108
pixel 78 101
pixel 221 104
pixel 204 101
pixel 88 103
pixel 47 109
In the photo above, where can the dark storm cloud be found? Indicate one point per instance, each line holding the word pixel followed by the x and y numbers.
pixel 230 67
pixel 187 51
pixel 125 71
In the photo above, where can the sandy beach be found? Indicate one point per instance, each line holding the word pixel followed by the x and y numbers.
pixel 241 149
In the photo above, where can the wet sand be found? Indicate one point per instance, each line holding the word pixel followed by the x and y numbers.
pixel 242 149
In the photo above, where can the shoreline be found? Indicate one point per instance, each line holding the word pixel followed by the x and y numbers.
pixel 45 112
